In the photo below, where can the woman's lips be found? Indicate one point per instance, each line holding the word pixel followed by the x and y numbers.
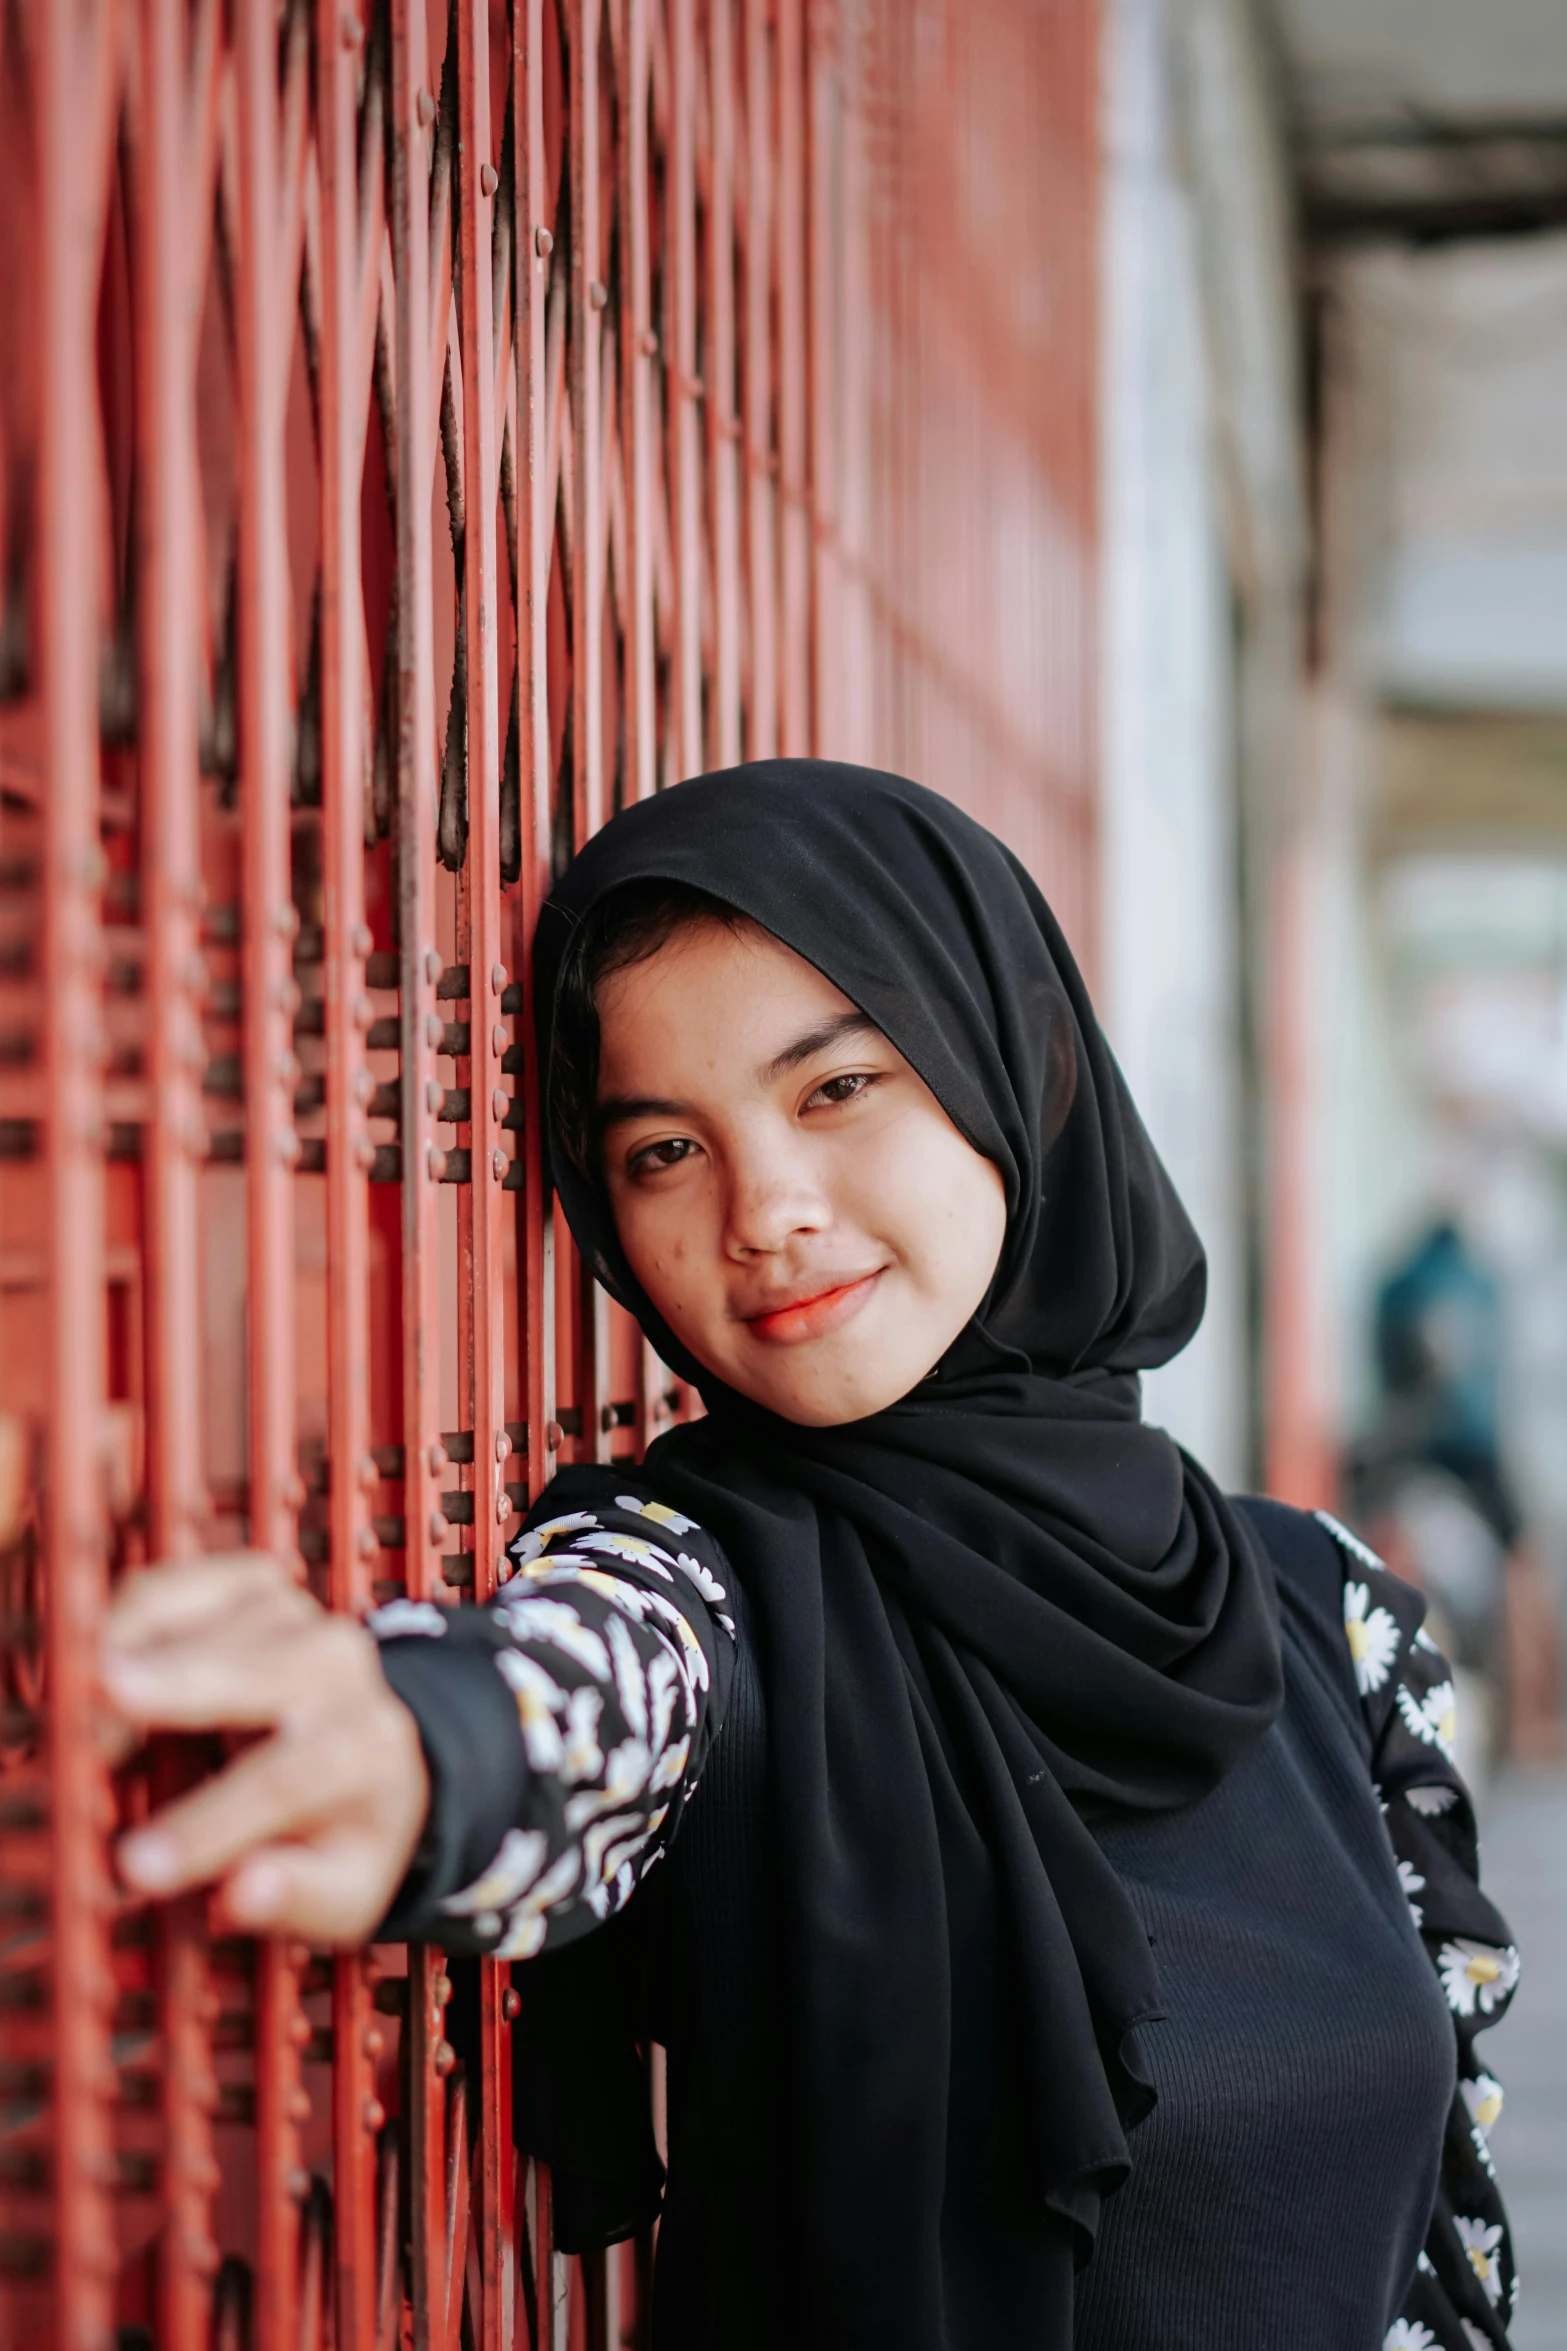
pixel 810 1318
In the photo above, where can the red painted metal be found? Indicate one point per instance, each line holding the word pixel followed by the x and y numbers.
pixel 431 428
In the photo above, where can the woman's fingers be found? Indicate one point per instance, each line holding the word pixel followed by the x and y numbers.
pixel 334 1889
pixel 366 1764
pixel 241 1675
pixel 158 1604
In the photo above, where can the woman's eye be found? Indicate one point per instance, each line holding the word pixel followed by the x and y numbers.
pixel 654 1156
pixel 844 1089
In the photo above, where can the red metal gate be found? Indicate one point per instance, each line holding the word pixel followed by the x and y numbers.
pixel 419 434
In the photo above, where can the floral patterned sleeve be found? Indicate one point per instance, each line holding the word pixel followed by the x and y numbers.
pixel 1465 2286
pixel 566 1723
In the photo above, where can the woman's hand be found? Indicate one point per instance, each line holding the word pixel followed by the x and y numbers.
pixel 308 1832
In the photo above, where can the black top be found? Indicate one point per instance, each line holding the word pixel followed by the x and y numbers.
pixel 1309 2174
pixel 985 1615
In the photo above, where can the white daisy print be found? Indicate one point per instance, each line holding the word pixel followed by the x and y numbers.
pixel 635 1549
pixel 1475 1976
pixel 539 1699
pixel 1372 1636
pixel 1480 2240
pixel 1483 2097
pixel 525 1928
pixel 1433 1718
pixel 1431 1802
pixel 1413 1883
pixel 1407 2334
pixel 708 1585
pixel 522 1854
pixel 533 1540
pixel 558 1624
pixel 659 1512
pixel 397 1617
pixel 1474 2335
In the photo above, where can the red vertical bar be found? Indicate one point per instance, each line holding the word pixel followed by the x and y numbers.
pixel 535 526
pixel 346 942
pixel 685 458
pixel 762 713
pixel 424 1458
pixel 825 223
pixel 723 425
pixel 480 1236
pixel 268 923
pixel 794 647
pixel 638 344
pixel 587 301
pixel 171 895
pixel 73 56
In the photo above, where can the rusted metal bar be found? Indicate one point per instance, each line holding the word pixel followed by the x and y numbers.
pixel 270 228
pixel 724 428
pixel 346 941
pixel 423 1455
pixel 684 389
pixel 794 401
pixel 74 63
pixel 761 460
pixel 639 347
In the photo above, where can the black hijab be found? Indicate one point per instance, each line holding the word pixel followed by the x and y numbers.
pixel 986 1618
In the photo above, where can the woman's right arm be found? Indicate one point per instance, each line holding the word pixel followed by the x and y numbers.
pixel 514 1769
pixel 565 1725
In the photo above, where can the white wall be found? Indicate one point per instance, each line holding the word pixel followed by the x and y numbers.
pixel 1169 986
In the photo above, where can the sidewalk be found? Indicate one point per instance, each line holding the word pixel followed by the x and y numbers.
pixel 1523 1852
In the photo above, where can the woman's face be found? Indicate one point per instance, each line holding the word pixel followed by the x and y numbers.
pixel 791 1196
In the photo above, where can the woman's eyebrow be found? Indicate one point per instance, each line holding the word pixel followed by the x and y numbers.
pixel 615 1109
pixel 817 1040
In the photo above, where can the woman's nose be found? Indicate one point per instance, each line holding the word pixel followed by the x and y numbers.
pixel 772 1197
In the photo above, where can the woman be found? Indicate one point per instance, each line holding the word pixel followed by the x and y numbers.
pixel 1040 1959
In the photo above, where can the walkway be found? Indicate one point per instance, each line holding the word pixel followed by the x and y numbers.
pixel 1523 1832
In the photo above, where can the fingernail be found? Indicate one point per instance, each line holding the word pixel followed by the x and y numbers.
pixel 149 1860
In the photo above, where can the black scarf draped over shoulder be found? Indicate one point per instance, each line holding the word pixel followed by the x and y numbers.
pixel 998 1611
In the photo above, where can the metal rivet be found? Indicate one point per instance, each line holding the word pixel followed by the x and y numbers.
pixel 434 1029
pixel 445 2057
pixel 497 977
pixel 287 1069
pixel 437 1457
pixel 364 1153
pixel 440 1526
pixel 498 1037
pixel 433 966
pixel 299 2106
pixel 502 1508
pixel 375 2114
pixel 296 2184
pixel 554 1435
pixel 364 1085
pixel 286 996
pixel 435 1162
pixel 364 1012
pixel 598 293
pixel 647 343
pixel 500 1101
pixel 498 1162
pixel 442 1990
pixel 288 1147
pixel 293 1490
pixel 543 244
pixel 424 108
pixel 362 942
pixel 375 2040
pixel 287 920
pixel 368 1473
pixel 489 179
pixel 502 1445
pixel 511 2003
pixel 367 1542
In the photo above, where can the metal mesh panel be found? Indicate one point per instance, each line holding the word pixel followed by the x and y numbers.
pixel 421 433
